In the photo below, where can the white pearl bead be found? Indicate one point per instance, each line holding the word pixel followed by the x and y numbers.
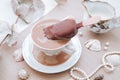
pixel 107 44
pixel 105 48
pixel 80 34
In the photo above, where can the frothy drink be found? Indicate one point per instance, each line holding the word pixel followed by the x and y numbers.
pixel 39 38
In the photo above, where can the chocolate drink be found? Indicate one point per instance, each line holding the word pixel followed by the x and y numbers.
pixel 39 38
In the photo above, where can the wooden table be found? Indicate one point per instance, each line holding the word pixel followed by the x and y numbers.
pixel 89 60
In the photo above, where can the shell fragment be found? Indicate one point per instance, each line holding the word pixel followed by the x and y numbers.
pixel 93 45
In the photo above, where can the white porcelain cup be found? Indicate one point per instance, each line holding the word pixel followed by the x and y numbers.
pixel 67 47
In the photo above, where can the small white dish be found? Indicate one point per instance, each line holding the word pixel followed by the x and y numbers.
pixel 27 48
pixel 102 9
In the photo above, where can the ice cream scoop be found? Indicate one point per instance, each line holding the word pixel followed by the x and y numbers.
pixel 66 28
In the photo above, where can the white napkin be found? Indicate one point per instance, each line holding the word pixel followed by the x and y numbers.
pixel 6 34
pixel 4 31
pixel 7 14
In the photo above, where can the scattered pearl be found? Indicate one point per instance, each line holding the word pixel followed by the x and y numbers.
pixel 100 77
pixel 105 48
pixel 107 44
pixel 23 74
pixel 80 34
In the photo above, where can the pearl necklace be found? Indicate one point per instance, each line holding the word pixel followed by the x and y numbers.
pixel 107 66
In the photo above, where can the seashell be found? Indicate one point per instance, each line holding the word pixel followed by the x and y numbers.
pixel 113 59
pixel 100 77
pixel 93 45
pixel 18 55
pixel 28 10
pixel 23 74
pixel 61 1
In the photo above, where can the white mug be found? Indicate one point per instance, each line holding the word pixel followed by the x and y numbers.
pixel 67 47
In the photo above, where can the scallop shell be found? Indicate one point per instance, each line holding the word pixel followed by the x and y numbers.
pixel 113 59
pixel 23 74
pixel 93 45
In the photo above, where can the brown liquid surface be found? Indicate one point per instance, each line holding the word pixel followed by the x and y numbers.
pixel 39 38
pixel 50 60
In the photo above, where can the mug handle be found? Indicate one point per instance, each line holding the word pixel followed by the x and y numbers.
pixel 69 49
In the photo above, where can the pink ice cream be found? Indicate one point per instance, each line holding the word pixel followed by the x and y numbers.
pixel 66 29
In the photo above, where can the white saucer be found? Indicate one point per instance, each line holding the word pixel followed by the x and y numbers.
pixel 27 48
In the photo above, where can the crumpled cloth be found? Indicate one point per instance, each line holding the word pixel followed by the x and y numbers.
pixel 6 34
